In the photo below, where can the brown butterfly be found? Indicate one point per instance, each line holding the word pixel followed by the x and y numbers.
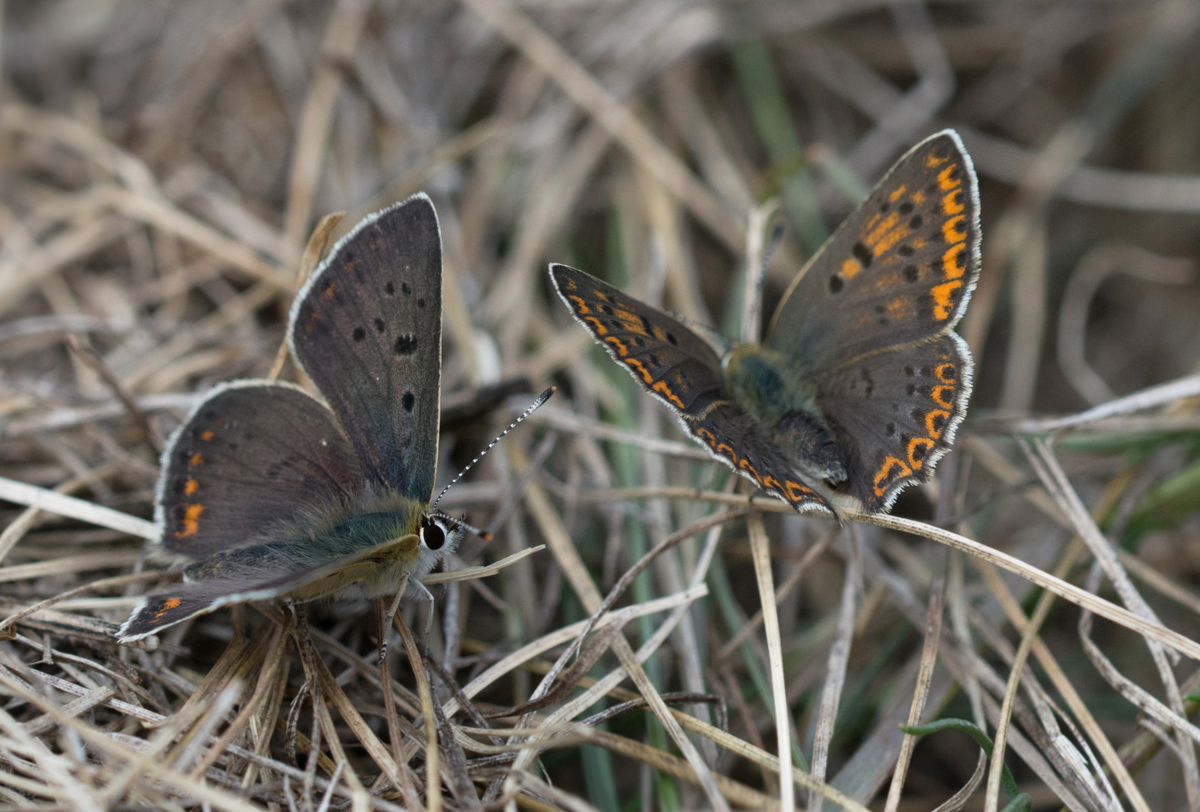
pixel 861 381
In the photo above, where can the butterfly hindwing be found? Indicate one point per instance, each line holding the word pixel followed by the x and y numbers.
pixel 736 439
pixel 367 328
pixel 899 270
pixel 236 576
pixel 894 414
pixel 679 368
pixel 251 454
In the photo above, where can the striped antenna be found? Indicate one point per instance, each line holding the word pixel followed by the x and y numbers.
pixel 461 521
pixel 542 398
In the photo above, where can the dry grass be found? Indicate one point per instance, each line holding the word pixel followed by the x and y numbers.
pixel 163 166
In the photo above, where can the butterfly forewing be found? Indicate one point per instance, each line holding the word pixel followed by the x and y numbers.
pixel 679 368
pixel 899 270
pixel 250 455
pixel 367 329
pixel 668 359
pixel 894 415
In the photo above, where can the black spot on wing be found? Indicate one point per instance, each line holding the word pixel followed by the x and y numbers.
pixel 406 344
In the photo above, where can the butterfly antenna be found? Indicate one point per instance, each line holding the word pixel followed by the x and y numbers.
pixel 542 398
pixel 461 521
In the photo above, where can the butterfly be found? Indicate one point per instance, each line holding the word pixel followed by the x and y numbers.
pixel 861 381
pixel 270 492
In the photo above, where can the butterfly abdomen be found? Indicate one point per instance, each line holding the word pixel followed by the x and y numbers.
pixel 781 401
pixel 810 446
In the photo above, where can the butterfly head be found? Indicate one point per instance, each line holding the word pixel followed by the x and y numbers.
pixel 441 534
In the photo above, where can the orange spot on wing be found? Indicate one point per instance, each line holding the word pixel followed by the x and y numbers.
pixel 952 202
pixel 207 435
pixel 913 445
pixel 877 234
pixel 190 487
pixel 943 302
pixel 631 322
pixel 932 160
pixel 637 366
pixel 746 466
pixel 622 350
pixel 951 230
pixel 328 293
pixel 598 329
pixel 931 426
pixel 191 521
pixel 664 390
pixel 943 396
pixel 952 266
pixel 795 491
pixel 946 373
pixel 850 268
pixel 890 239
pixel 897 193
pixel 166 606
pixel 946 179
pixel 891 469
pixel 580 305
pixel 195 460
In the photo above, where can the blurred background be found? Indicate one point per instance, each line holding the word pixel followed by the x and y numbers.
pixel 163 165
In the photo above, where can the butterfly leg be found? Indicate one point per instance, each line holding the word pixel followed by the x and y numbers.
pixel 383 628
pixel 427 601
pixel 392 608
pixel 426 598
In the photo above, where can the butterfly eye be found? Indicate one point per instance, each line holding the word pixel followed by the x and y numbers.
pixel 432 535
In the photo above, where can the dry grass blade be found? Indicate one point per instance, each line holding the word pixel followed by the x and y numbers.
pixel 590 597
pixel 433 777
pixel 1046 659
pixel 612 115
pixel 473 573
pixel 1188 387
pixel 314 250
pixel 1066 591
pixel 783 723
pixel 51 502
pixel 933 633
